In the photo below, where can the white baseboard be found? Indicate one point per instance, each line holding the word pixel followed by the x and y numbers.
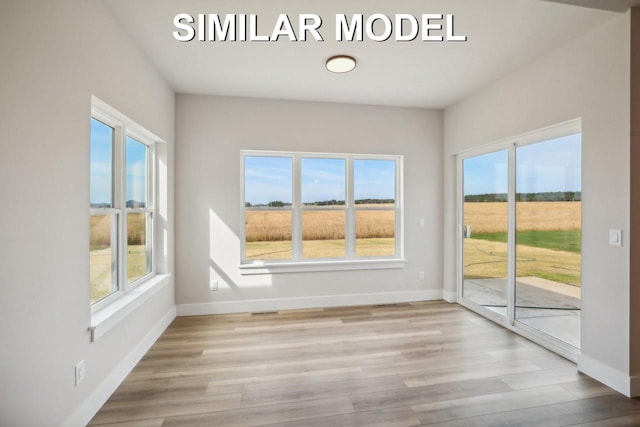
pixel 634 386
pixel 276 304
pixel 609 376
pixel 450 296
pixel 83 414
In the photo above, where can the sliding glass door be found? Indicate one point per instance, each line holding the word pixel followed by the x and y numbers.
pixel 548 237
pixel 520 234
pixel 484 230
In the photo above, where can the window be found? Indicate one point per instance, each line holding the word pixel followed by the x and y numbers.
pixel 268 202
pixel 311 207
pixel 375 195
pixel 139 216
pixel 323 207
pixel 121 205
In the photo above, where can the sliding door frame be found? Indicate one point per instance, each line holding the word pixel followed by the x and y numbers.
pixel 509 321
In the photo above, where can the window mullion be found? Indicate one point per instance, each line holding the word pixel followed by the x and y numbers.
pixel 150 207
pixel 150 238
pixel 350 220
pixel 399 211
pixel 296 213
pixel 151 182
pixel 120 203
pixel 511 233
pixel 115 218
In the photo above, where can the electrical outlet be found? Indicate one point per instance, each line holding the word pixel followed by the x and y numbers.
pixel 213 285
pixel 79 372
pixel 421 275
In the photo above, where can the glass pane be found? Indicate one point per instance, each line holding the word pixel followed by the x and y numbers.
pixel 103 256
pixel 136 179
pixel 485 230
pixel 323 234
pixel 323 182
pixel 548 237
pixel 268 234
pixel 101 165
pixel 138 260
pixel 268 181
pixel 375 232
pixel 374 182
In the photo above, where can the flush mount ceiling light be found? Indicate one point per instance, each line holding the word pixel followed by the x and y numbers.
pixel 341 64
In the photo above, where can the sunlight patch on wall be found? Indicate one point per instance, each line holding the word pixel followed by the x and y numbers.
pixel 224 253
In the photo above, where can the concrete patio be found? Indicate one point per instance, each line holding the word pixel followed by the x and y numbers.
pixel 550 307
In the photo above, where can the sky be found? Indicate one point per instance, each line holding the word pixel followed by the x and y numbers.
pixel 323 179
pixel 270 178
pixel 374 179
pixel 548 166
pixel 267 179
pixel 101 173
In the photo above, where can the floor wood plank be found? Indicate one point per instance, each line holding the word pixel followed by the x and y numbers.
pixel 394 417
pixel 567 413
pixel 399 365
pixel 488 404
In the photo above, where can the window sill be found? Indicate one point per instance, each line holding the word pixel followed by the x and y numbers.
pixel 103 320
pixel 310 266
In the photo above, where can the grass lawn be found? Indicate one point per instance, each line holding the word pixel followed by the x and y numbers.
pixel 320 248
pixel 548 245
pixel 485 259
pixel 559 240
pixel 100 268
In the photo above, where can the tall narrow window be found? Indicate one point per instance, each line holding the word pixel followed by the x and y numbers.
pixel 268 206
pixel 103 228
pixel 375 202
pixel 139 216
pixel 323 207
pixel 121 205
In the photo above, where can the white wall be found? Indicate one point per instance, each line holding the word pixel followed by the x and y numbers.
pixel 55 55
pixel 588 78
pixel 634 235
pixel 211 131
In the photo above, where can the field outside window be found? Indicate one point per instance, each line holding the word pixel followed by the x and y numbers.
pixel 323 202
pixel 521 233
pixel 375 202
pixel 300 206
pixel 121 208
pixel 103 227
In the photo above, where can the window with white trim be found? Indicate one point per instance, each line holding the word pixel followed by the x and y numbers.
pixel 318 207
pixel 122 182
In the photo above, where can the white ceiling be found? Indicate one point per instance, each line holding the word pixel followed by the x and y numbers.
pixel 502 36
pixel 616 5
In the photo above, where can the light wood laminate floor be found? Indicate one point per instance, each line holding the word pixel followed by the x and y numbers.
pixel 430 363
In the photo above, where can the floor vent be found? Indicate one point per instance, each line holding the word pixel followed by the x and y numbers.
pixel 264 313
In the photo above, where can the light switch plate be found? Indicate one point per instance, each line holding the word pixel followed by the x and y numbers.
pixel 79 371
pixel 615 237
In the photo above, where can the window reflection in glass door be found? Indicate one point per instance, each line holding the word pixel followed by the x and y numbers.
pixel 548 237
pixel 484 230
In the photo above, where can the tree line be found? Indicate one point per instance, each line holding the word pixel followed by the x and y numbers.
pixel 281 204
pixel 550 196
